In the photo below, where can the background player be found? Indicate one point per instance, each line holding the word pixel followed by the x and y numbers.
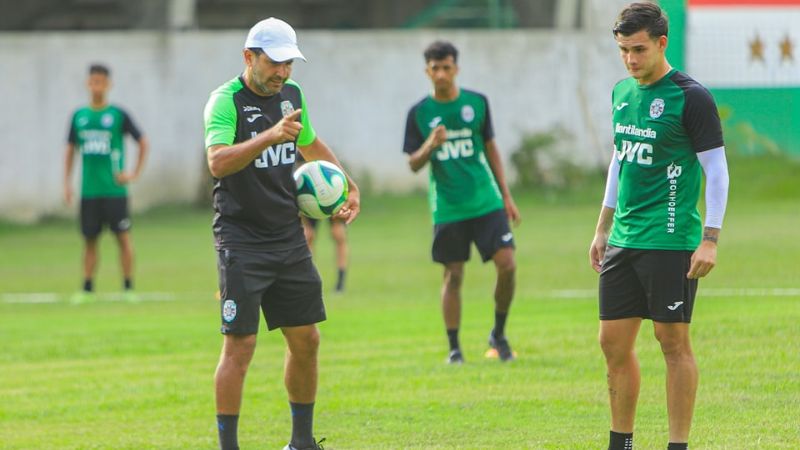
pixel 452 130
pixel 254 124
pixel 339 234
pixel 97 131
pixel 666 133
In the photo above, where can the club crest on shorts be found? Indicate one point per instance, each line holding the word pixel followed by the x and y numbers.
pixel 229 310
pixel 467 113
pixel 286 108
pixel 657 108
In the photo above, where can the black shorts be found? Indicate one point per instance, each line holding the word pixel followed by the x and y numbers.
pixel 651 284
pixel 284 285
pixel 111 211
pixel 490 232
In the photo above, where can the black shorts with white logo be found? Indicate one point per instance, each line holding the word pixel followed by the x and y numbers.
pixel 283 285
pixel 100 211
pixel 651 284
pixel 490 232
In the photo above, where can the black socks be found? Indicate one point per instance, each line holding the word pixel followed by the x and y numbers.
pixel 227 427
pixel 302 424
pixel 620 441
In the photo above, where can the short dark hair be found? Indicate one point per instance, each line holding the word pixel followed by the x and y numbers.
pixel 258 51
pixel 439 50
pixel 642 16
pixel 100 69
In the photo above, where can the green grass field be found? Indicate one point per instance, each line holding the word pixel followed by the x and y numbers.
pixel 112 375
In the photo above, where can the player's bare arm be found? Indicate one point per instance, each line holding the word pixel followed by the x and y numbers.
pixel 320 150
pixel 69 158
pixel 598 248
pixel 224 160
pixel 495 163
pixel 705 257
pixel 419 158
pixel 128 177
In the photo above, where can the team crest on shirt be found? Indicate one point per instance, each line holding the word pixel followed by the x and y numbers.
pixel 657 108
pixel 286 108
pixel 229 310
pixel 107 120
pixel 467 113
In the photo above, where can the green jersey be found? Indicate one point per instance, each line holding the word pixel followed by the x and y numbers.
pixel 658 131
pixel 98 134
pixel 462 185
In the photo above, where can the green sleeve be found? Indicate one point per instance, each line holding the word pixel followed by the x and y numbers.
pixel 220 119
pixel 307 134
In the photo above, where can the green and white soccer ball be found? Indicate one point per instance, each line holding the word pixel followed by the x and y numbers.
pixel 321 189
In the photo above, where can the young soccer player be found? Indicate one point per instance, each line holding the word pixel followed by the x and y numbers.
pixel 451 132
pixel 97 132
pixel 649 246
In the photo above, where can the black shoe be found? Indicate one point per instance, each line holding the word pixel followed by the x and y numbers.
pixel 455 357
pixel 316 446
pixel 502 347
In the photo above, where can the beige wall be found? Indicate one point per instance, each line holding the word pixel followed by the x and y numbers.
pixel 359 86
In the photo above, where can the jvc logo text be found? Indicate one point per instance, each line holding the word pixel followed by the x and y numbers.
pixel 276 155
pixel 457 148
pixel 641 151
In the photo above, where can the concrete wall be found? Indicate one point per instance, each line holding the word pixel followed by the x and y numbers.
pixel 359 86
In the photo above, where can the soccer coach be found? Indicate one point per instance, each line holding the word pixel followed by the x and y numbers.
pixel 254 125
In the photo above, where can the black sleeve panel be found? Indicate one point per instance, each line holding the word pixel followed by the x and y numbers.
pixel 129 127
pixel 488 127
pixel 72 137
pixel 700 115
pixel 413 138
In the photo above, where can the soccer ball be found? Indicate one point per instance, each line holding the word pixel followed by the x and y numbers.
pixel 321 189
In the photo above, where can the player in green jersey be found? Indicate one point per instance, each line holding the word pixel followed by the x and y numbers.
pixel 649 245
pixel 254 126
pixel 451 131
pixel 97 132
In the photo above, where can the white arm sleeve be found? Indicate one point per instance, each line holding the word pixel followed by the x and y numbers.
pixel 715 167
pixel 612 183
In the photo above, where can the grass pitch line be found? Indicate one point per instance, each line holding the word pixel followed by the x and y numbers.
pixel 718 292
pixel 54 297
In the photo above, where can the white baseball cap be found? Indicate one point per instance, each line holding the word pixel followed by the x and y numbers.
pixel 276 37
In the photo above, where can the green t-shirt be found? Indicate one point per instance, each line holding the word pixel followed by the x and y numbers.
pixel 658 131
pixel 98 134
pixel 462 185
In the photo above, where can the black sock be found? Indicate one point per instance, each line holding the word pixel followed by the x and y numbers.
pixel 620 441
pixel 452 336
pixel 227 427
pixel 678 446
pixel 128 284
pixel 340 280
pixel 499 329
pixel 88 286
pixel 302 424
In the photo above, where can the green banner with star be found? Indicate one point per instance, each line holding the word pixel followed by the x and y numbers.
pixel 747 52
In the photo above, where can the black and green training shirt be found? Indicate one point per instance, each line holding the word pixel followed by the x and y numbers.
pixel 658 131
pixel 462 185
pixel 255 208
pixel 99 136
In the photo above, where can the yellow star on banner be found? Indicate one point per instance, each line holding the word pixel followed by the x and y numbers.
pixel 787 49
pixel 756 49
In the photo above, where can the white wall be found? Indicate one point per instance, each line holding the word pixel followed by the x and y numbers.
pixel 359 86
